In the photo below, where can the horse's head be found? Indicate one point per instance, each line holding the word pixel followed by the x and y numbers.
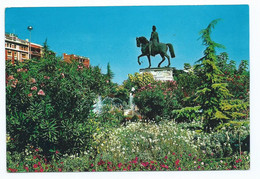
pixel 141 40
pixel 137 42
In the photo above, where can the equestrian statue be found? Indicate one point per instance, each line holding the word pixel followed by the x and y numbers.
pixel 154 47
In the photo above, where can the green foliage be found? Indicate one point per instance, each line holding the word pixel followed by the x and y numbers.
pixel 188 81
pixel 140 80
pixel 156 100
pixel 48 104
pixel 187 114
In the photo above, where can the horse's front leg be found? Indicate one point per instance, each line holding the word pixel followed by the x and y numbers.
pixel 149 60
pixel 139 58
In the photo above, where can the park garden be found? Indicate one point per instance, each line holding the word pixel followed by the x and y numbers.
pixel 198 121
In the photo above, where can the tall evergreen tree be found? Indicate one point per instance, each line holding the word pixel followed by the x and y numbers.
pixel 211 93
pixel 110 74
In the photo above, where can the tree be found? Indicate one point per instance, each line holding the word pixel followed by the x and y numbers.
pixel 110 75
pixel 213 90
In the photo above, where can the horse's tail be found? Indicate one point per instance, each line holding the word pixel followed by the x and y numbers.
pixel 171 50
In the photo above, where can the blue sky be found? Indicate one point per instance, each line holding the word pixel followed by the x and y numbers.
pixel 108 34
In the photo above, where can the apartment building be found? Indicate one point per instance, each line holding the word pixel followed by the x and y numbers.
pixel 18 50
pixel 69 58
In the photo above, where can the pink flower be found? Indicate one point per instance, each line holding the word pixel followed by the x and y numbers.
pixel 166 157
pixel 11 77
pixel 179 168
pixel 32 80
pixel 92 165
pixel 19 70
pixel 39 163
pixel 35 166
pixel 41 93
pixel 34 88
pixel 198 167
pixel 30 95
pixel 189 154
pixel 173 153
pixel 57 152
pixel 93 170
pixel 37 150
pixel 235 166
pixel 124 169
pixel 34 157
pixel 41 170
pixel 60 170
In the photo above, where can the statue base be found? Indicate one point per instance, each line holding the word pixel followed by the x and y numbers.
pixel 162 74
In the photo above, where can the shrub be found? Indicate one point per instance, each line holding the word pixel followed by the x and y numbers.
pixel 48 103
pixel 156 100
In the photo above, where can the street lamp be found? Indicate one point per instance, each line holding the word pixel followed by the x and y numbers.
pixel 30 28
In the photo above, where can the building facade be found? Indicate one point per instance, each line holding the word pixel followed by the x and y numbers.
pixel 18 50
pixel 69 58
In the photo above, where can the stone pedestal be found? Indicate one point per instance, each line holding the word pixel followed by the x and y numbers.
pixel 162 74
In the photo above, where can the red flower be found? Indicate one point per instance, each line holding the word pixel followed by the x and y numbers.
pixel 26 168
pixel 34 88
pixel 166 157
pixel 41 170
pixel 36 150
pixel 173 153
pixel 237 161
pixel 124 169
pixel 177 162
pixel 41 93
pixel 119 165
pixel 152 162
pixel 92 165
pixel 60 170
pixel 57 152
pixel 34 157
pixel 235 166
pixel 179 168
pixel 35 166
pixel 93 170
pixel 145 163
pixel 39 163
pixel 198 167
pixel 189 154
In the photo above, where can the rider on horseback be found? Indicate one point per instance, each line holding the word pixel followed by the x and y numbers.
pixel 154 41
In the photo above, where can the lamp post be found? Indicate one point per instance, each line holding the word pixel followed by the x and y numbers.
pixel 30 28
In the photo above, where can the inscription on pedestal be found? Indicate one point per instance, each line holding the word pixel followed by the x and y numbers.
pixel 162 74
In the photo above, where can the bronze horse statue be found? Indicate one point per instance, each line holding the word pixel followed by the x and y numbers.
pixel 160 49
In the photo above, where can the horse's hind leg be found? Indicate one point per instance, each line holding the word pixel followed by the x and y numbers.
pixel 163 58
pixel 169 61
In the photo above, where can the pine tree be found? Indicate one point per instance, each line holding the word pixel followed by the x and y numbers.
pixel 211 93
pixel 110 75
